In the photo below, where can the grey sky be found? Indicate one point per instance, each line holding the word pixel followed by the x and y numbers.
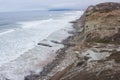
pixel 16 5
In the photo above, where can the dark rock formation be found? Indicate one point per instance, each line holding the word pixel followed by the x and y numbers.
pixel 43 44
pixel 32 77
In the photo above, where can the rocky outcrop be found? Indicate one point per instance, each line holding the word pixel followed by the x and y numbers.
pixel 102 20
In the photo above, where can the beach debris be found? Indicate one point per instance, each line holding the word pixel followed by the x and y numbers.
pixel 43 44
pixel 64 43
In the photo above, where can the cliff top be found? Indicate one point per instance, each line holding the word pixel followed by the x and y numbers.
pixel 104 7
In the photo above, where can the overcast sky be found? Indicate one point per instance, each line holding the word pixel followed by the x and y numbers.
pixel 18 5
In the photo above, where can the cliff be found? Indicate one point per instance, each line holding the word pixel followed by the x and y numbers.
pixel 102 22
pixel 97 46
pixel 95 50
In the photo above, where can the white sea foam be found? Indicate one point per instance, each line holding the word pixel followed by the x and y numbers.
pixel 6 32
pixel 34 24
pixel 20 52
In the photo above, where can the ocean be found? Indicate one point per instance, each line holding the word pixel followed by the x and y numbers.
pixel 20 33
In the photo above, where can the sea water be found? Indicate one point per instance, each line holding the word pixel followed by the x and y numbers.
pixel 19 34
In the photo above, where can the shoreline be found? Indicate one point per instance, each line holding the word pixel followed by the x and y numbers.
pixel 47 69
pixel 50 53
pixel 33 61
pixel 58 58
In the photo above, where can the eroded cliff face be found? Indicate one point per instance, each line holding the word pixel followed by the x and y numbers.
pixel 102 21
